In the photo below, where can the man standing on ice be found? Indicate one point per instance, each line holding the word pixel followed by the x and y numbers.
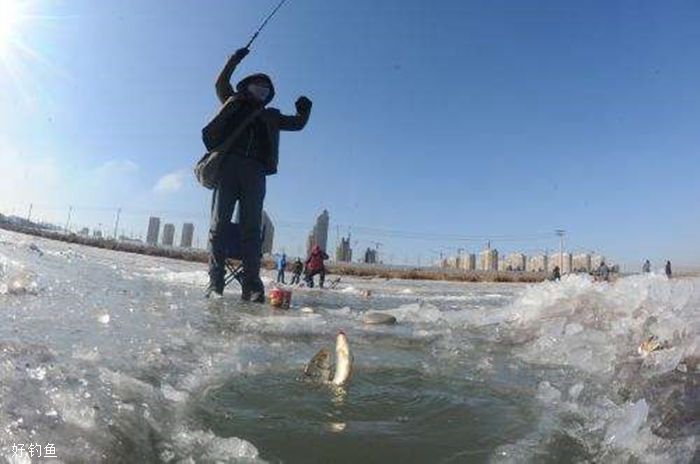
pixel 252 157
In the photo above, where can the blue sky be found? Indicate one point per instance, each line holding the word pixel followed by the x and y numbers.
pixel 471 119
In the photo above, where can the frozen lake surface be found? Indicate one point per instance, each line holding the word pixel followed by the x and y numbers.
pixel 115 357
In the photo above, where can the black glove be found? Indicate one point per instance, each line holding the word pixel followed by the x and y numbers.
pixel 241 53
pixel 303 105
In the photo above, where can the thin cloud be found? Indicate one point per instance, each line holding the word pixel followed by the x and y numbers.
pixel 170 183
pixel 116 167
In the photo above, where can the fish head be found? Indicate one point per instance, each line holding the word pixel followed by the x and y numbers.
pixel 319 367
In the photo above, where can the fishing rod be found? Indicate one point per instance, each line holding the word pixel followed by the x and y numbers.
pixel 264 23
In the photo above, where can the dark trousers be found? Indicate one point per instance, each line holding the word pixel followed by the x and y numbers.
pixel 243 183
pixel 322 277
pixel 280 276
pixel 295 278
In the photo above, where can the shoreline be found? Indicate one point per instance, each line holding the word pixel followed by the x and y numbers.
pixel 343 269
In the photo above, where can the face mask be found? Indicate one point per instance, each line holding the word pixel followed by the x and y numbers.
pixel 260 92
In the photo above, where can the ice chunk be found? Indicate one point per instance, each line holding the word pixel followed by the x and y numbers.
pixel 575 391
pixel 38 373
pixel 662 361
pixel 170 393
pixel 73 410
pixel 573 328
pixel 547 393
pixel 622 431
pixel 211 448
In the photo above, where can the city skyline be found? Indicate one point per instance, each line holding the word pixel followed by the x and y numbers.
pixel 489 259
pixel 323 224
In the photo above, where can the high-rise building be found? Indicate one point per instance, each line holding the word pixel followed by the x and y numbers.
pixel 465 262
pixel 370 256
pixel 168 234
pixel 582 263
pixel 309 243
pixel 562 260
pixel 319 234
pixel 153 230
pixel 343 253
pixel 187 235
pixel 85 231
pixel 489 259
pixel 515 262
pixel 97 233
pixel 269 237
pixel 469 262
pixel 538 263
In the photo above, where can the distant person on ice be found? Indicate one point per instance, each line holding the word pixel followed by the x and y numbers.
pixel 297 269
pixel 315 265
pixel 556 273
pixel 603 272
pixel 646 267
pixel 252 156
pixel 281 265
pixel 668 269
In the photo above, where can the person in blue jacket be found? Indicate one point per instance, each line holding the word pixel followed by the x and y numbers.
pixel 281 265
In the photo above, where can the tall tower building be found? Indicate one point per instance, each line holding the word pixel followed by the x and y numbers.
pixel 187 235
pixel 343 254
pixel 153 230
pixel 469 263
pixel 370 256
pixel 168 234
pixel 319 234
pixel 269 237
pixel 489 259
pixel 310 243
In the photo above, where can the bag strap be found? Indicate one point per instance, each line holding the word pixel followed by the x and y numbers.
pixel 226 144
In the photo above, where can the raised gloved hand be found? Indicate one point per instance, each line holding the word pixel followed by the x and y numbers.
pixel 241 53
pixel 303 105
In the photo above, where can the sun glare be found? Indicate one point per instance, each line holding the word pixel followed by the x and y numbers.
pixel 10 19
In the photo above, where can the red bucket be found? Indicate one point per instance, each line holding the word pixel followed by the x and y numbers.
pixel 280 298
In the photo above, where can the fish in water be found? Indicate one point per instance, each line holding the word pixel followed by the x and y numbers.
pixel 321 370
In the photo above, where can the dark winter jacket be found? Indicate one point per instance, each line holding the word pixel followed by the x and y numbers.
pixel 268 123
pixel 298 267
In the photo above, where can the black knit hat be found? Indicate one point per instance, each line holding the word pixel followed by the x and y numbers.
pixel 241 86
